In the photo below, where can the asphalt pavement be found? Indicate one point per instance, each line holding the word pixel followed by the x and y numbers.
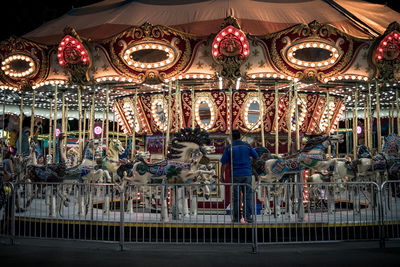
pixel 56 253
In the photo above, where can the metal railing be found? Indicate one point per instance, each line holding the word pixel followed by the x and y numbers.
pixel 197 213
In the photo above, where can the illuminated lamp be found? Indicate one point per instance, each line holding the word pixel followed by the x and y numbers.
pixel 58 131
pixel 97 130
pixel 359 129
pixel 72 51
pixel 230 42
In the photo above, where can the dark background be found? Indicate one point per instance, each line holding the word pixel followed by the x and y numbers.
pixel 19 17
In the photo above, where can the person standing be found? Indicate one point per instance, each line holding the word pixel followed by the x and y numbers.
pixel 241 154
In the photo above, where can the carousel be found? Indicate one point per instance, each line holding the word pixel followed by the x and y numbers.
pixel 137 100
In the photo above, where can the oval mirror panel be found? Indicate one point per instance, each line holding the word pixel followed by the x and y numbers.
pixel 254 112
pixel 205 113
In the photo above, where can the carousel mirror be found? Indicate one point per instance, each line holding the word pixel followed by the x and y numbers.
pixel 159 112
pixel 205 113
pixel 254 112
pixel 149 55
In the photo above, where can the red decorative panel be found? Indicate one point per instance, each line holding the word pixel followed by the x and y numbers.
pixel 71 51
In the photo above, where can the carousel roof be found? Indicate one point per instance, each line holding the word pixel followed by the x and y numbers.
pixel 202 17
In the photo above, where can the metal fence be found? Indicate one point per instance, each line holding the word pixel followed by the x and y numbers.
pixel 197 213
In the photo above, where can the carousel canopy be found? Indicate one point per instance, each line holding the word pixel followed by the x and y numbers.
pixel 200 17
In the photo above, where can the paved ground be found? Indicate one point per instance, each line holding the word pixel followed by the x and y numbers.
pixel 33 252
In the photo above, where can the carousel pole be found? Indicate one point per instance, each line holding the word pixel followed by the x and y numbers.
pixel 63 120
pixel 192 94
pixel 107 115
pixel 51 128
pixel 33 112
pixel 102 128
pixel 296 112
pixel 55 124
pixel 261 99
pixel 84 127
pixel 289 120
pixel 397 111
pixel 177 119
pixel 329 120
pixel 370 118
pixel 133 151
pixel 66 122
pixel 21 119
pixel 378 119
pixel 80 140
pixel 365 123
pixel 168 119
pixel 230 138
pixel 355 122
pixel 276 119
pixel 91 120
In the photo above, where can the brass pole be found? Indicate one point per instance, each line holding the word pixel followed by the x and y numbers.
pixel 365 124
pixel 261 99
pixel 66 122
pixel 102 128
pixel 33 112
pixel 378 119
pixel 21 120
pixel 134 128
pixel 92 118
pixel 230 138
pixel 355 123
pixel 276 119
pixel 289 120
pixel 84 127
pixel 107 115
pixel 51 128
pixel 168 119
pixel 177 106
pixel 55 124
pixel 296 112
pixel 80 140
pixel 370 118
pixel 329 119
pixel 193 118
pixel 63 112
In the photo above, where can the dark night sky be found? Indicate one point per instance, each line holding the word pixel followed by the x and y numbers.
pixel 22 16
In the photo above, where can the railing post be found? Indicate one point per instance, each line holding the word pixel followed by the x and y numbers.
pixel 381 214
pixel 254 223
pixel 122 222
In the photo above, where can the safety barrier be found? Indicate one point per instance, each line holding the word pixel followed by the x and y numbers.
pixel 291 212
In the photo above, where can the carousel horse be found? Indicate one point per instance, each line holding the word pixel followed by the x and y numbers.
pixel 51 172
pixel 185 152
pixel 312 156
pixel 112 161
pixel 93 170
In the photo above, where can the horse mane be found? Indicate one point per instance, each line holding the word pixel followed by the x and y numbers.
pixel 313 142
pixel 187 134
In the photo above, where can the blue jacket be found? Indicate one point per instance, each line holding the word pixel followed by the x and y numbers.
pixel 242 152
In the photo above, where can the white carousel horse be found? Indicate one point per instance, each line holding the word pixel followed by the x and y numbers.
pixel 202 185
pixel 182 165
pixel 312 156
